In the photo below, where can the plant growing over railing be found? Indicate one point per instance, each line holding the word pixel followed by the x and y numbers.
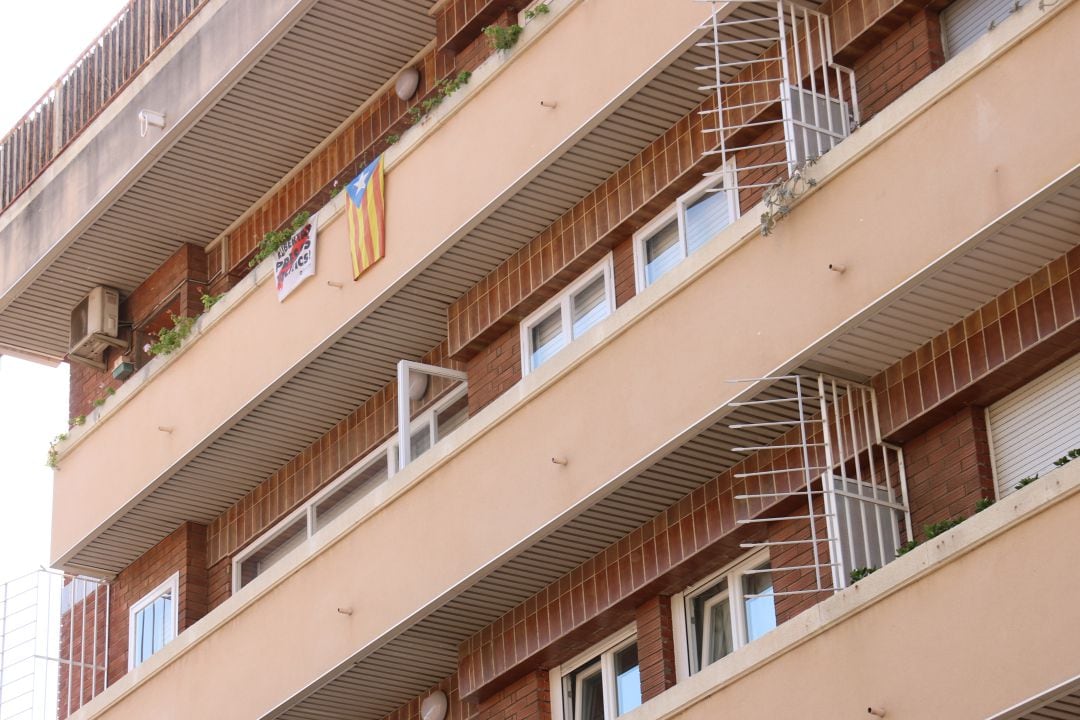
pixel 932 531
pixel 503 37
pixel 276 238
pixel 209 301
pixel 391 139
pixel 52 460
pixel 445 88
pixel 170 339
pixel 76 421
pixel 109 392
pixel 537 10
pixel 983 503
pixel 1067 458
pixel 907 547
pixel 1026 481
pixel 859 573
pixel 781 195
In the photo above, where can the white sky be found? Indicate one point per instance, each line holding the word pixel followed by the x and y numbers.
pixel 38 41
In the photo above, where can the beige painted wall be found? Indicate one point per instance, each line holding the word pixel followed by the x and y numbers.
pixel 497 137
pixel 989 630
pixel 729 322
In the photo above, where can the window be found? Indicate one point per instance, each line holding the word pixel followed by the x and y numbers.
pixel 726 611
pixel 152 621
pixel 602 683
pixel 587 301
pixel 430 426
pixel 867 533
pixel 815 123
pixel 692 221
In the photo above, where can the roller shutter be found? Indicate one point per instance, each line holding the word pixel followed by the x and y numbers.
pixel 964 21
pixel 1036 425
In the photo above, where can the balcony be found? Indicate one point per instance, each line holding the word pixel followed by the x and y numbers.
pixel 195 469
pixel 619 472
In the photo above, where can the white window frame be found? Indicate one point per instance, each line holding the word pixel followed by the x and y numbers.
pixel 605 267
pixel 388 453
pixel 170 586
pixel 604 654
pixel 677 210
pixel 686 654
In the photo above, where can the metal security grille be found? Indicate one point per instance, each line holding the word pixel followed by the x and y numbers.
pixel 831 458
pixel 766 52
pixel 54 631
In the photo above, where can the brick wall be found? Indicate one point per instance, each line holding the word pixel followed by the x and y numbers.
pixel 948 469
pixel 1028 329
pixel 801 555
pixel 527 699
pixel 456 710
pixel 655 646
pixel 185 552
pixel 338 449
pixel 175 287
pixel 903 58
pixel 494 370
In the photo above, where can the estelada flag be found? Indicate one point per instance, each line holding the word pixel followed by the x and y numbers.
pixel 365 211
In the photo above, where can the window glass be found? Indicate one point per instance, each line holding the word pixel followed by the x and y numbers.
pixel 589 305
pixel 627 679
pixel 341 498
pixel 760 603
pixel 273 550
pixel 451 417
pixel 705 218
pixel 662 251
pixel 857 523
pixel 152 624
pixel 712 627
pixel 546 338
pixel 587 693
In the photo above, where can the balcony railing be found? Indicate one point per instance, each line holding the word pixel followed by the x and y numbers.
pixel 54 631
pixel 131 39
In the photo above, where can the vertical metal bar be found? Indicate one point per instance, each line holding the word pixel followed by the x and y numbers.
pixel 71 636
pixel 875 509
pixel 811 67
pixel 404 445
pixel 721 125
pixel 82 644
pixel 808 482
pixel 94 648
pixel 828 485
pixel 904 492
pixel 105 674
pixel 3 642
pixel 785 108
pixel 797 83
pixel 838 412
pixel 858 470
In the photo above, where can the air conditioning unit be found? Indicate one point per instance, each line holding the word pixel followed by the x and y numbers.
pixel 95 324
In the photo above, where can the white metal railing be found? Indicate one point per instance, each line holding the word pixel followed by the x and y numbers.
pixel 853 484
pixel 766 52
pixel 54 631
pixel 413 381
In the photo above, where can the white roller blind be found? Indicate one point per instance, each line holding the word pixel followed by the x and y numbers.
pixel 1036 425
pixel 965 21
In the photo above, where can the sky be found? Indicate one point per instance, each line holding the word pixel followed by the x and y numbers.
pixel 38 42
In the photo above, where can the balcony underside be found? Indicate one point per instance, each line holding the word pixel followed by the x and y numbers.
pixel 352 366
pixel 336 56
pixel 380 679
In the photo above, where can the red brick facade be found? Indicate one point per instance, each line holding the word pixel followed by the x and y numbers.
pixel 948 469
pixel 183 552
pixel 655 646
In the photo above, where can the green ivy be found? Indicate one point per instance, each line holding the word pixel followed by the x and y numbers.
pixel 907 547
pixel 1067 458
pixel 170 339
pixel 503 38
pixel 53 458
pixel 209 301
pixel 446 88
pixel 537 10
pixel 1026 481
pixel 859 573
pixel 932 531
pixel 276 238
pixel 983 503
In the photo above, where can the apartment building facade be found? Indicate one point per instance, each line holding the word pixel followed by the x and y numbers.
pixel 740 345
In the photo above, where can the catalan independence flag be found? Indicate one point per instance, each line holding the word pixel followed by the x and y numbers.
pixel 365 210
